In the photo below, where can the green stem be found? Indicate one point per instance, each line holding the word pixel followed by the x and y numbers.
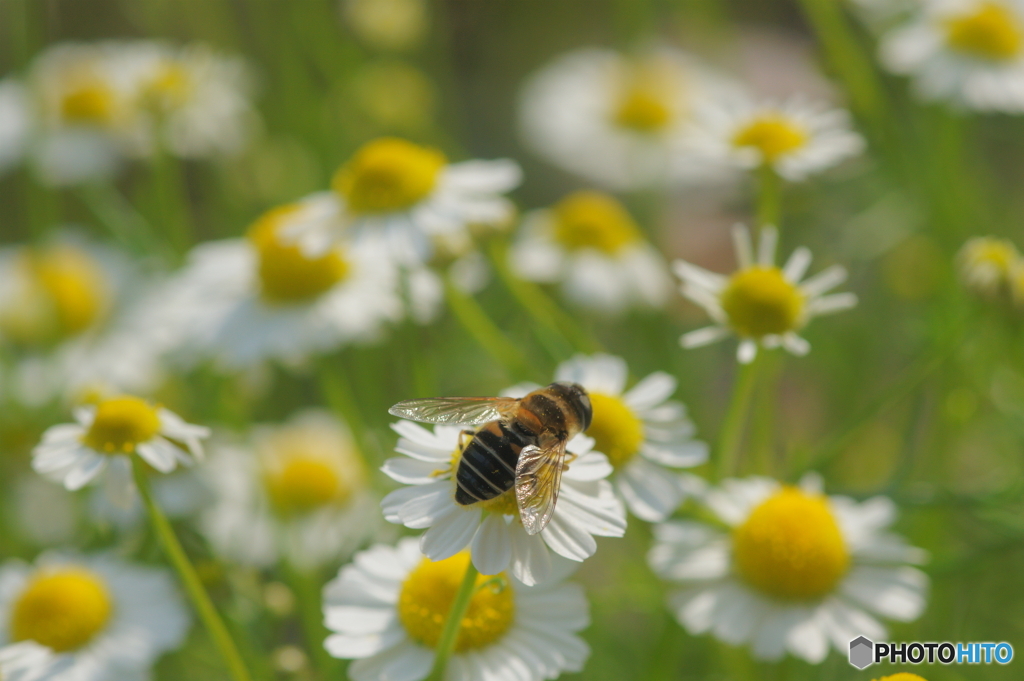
pixel 187 572
pixel 477 324
pixel 307 590
pixel 118 215
pixel 762 445
pixel 446 645
pixel 337 392
pixel 171 200
pixel 546 312
pixel 769 197
pixel 730 438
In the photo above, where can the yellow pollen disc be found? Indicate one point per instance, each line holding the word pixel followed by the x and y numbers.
pixel 616 430
pixel 791 546
pixel 991 252
pixel 62 610
pixel 90 102
pixel 772 135
pixel 588 219
pixel 75 285
pixel 121 423
pixel 170 87
pixel 991 32
pixel 388 174
pixel 287 275
pixel 429 592
pixel 759 301
pixel 902 676
pixel 643 110
pixel 303 484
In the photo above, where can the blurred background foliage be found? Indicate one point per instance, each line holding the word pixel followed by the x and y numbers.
pixel 918 393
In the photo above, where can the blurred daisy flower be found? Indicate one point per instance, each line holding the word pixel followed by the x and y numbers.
pixel 196 103
pixel 641 431
pixel 792 571
pixel 400 197
pixel 106 435
pixel 794 138
pixel 987 265
pixel 591 244
pixel 100 617
pixel 67 309
pixel 762 304
pixel 86 118
pixel 388 25
pixel 247 301
pixel 969 52
pixel 387 611
pixel 300 490
pixel 616 120
pixel 587 507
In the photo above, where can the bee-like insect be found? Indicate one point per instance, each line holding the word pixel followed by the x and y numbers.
pixel 522 443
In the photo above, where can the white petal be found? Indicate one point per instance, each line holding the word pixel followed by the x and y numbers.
pixel 405 662
pixel 651 391
pixel 83 472
pixel 531 561
pixel 450 533
pixel 349 646
pixel 158 453
pixel 680 455
pixel 766 247
pixel 746 352
pixel 705 336
pixel 824 281
pixel 418 506
pixel 896 593
pixel 651 492
pixel 744 248
pixel 836 302
pixel 492 545
pixel 409 471
pixel 797 265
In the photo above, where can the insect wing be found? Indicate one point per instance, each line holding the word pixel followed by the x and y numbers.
pixel 538 478
pixel 456 410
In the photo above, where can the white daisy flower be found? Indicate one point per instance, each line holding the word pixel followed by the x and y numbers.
pixel 300 491
pixel 969 52
pixel 590 243
pixel 28 661
pixel 101 617
pixel 388 609
pixel 791 571
pixel 67 306
pixel 15 122
pixel 75 454
pixel 400 196
pixel 86 118
pixel 641 431
pixel 794 138
pixel 619 121
pixel 587 507
pixel 987 264
pixel 760 303
pixel 247 301
pixel 197 103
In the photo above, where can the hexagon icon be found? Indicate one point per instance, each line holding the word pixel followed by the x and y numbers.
pixel 861 652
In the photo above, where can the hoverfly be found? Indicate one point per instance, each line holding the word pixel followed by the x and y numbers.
pixel 522 443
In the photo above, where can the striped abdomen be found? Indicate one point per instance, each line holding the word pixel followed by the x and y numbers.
pixel 488 464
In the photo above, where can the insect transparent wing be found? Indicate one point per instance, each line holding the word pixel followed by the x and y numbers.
pixel 456 410
pixel 538 478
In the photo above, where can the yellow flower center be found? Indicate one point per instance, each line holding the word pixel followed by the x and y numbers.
pixel 305 483
pixel 791 546
pixel 75 285
pixel 287 275
pixel 121 423
pixel 759 301
pixel 388 174
pixel 902 676
pixel 772 135
pixel 990 32
pixel 616 430
pixel 588 219
pixel 90 102
pixel 429 592
pixel 999 254
pixel 643 110
pixel 62 610
pixel 170 87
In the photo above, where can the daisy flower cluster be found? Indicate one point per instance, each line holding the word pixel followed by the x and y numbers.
pixel 211 302
pixel 83 109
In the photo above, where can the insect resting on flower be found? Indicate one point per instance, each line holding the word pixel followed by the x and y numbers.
pixel 521 444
